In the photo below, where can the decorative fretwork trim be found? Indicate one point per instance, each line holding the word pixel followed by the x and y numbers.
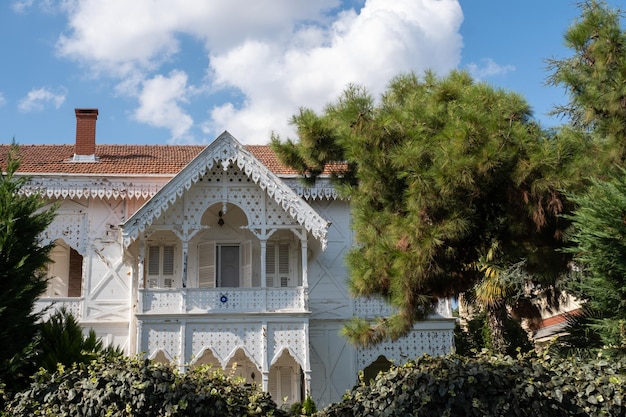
pixel 321 190
pixel 89 187
pixel 224 151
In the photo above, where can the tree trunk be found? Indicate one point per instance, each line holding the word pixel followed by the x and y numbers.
pixel 495 319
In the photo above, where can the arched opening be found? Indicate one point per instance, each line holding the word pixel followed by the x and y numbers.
pixel 381 364
pixel 161 357
pixel 224 251
pixel 242 367
pixel 285 380
pixel 64 271
pixel 207 358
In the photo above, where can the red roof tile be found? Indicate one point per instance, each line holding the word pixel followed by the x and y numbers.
pixel 123 159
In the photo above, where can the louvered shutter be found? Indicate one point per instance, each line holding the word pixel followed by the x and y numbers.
pixel 167 271
pixel 280 384
pixel 286 384
pixel 154 258
pixel 245 272
pixel 270 265
pixel 283 266
pixel 272 385
pixel 206 265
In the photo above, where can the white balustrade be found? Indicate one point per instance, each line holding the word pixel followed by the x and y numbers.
pixel 223 300
pixel 377 307
pixel 50 305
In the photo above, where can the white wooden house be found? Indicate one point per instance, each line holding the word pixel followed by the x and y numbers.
pixel 210 255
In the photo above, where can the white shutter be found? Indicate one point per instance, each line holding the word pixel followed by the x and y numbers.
pixel 154 257
pixel 160 271
pixel 168 261
pixel 206 265
pixel 58 272
pixel 272 386
pixel 283 265
pixel 270 264
pixel 245 273
pixel 280 384
pixel 286 384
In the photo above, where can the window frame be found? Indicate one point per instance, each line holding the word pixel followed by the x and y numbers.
pixel 161 278
pixel 209 263
pixel 282 271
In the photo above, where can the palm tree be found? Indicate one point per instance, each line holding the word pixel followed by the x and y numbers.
pixel 61 341
pixel 501 288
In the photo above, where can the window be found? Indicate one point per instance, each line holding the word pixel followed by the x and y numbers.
pixel 277 265
pixel 65 272
pixel 224 265
pixel 161 268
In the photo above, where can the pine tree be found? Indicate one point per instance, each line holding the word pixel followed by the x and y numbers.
pixel 599 223
pixel 436 170
pixel 22 279
pixel 594 78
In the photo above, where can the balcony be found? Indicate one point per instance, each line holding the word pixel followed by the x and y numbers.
pixel 223 300
pixel 50 305
pixel 376 307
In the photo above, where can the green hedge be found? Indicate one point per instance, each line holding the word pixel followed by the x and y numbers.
pixel 138 387
pixel 489 386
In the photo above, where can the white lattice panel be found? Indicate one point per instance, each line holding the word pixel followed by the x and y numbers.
pixel 161 336
pixel 225 339
pixel 415 344
pixel 162 301
pixel 52 305
pixel 71 227
pixel 224 300
pixel 290 336
pixel 285 299
pixel 376 307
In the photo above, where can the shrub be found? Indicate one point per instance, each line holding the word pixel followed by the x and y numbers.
pixel 139 387
pixel 489 386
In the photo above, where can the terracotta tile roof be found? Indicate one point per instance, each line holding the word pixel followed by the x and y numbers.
pixel 123 159
pixel 268 158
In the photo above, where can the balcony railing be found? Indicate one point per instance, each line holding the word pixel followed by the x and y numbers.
pixel 376 307
pixel 51 305
pixel 223 300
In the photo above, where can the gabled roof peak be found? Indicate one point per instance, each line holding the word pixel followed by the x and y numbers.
pixel 225 151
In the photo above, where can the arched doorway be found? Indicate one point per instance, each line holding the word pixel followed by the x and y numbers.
pixel 285 380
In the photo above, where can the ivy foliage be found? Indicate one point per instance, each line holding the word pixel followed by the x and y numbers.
pixel 489 386
pixel 139 387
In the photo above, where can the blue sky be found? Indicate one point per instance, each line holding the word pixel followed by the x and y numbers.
pixel 183 71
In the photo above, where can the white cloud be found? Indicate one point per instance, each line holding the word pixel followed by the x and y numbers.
pixel 160 104
pixel 118 35
pixel 3 100
pixel 488 68
pixel 277 54
pixel 369 48
pixel 38 99
pixel 22 6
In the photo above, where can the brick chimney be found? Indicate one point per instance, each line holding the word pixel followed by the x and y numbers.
pixel 85 147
